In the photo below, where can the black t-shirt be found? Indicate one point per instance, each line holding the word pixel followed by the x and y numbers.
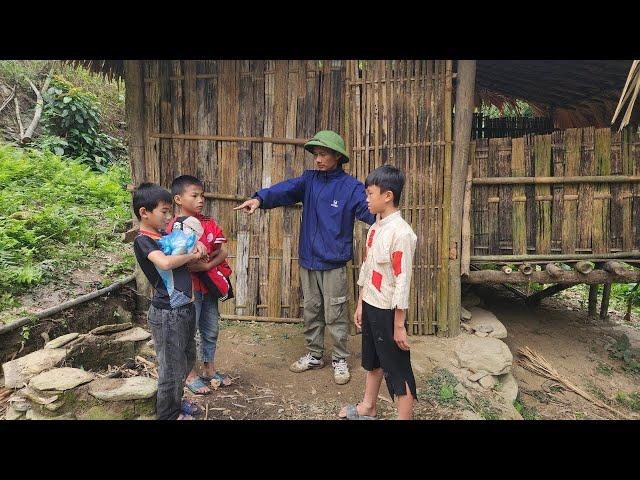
pixel 171 288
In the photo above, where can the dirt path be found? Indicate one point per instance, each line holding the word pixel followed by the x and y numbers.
pixel 559 330
pixel 258 356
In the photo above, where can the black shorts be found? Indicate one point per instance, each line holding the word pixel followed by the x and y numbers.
pixel 379 350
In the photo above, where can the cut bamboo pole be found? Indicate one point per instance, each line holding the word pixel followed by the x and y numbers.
pixel 526 269
pixel 553 270
pixel 249 318
pixel 553 257
pixel 614 267
pixel 228 138
pixel 550 180
pixel 583 266
pixel 507 269
pixel 597 276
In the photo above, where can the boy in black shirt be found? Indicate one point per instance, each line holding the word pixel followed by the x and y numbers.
pixel 171 315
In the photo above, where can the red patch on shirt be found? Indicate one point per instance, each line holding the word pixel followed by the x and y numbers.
pixel 376 279
pixel 370 239
pixel 396 262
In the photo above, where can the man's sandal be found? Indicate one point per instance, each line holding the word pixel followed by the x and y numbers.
pixel 218 377
pixel 191 409
pixel 352 414
pixel 196 385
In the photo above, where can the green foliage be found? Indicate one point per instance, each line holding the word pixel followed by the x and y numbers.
pixel 528 413
pixel 630 356
pixel 522 109
pixel 631 401
pixel 71 117
pixel 16 72
pixel 51 212
pixel 441 388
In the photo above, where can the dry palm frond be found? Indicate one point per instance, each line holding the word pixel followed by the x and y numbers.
pixel 536 363
pixel 629 94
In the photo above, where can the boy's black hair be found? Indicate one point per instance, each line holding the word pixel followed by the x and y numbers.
pixel 387 178
pixel 180 183
pixel 149 195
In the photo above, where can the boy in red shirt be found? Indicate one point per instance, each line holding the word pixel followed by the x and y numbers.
pixel 188 194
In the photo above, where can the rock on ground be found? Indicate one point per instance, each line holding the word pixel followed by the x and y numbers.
pixel 116 327
pixel 60 379
pixel 469 415
pixel 20 371
pixel 62 340
pixel 485 321
pixel 488 382
pixel 508 387
pixel 477 376
pixel 136 334
pixel 488 354
pixel 118 389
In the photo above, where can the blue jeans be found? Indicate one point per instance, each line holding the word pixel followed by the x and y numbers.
pixel 173 332
pixel 207 319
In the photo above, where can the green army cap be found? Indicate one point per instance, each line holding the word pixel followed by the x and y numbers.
pixel 328 139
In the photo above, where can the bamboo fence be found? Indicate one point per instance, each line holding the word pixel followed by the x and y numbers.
pixel 574 192
pixel 400 114
pixel 241 125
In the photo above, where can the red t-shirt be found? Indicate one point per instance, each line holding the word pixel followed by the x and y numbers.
pixel 212 238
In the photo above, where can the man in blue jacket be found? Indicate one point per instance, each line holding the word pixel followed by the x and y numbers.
pixel 331 201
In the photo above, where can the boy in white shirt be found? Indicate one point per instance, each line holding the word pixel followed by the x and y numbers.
pixel 385 278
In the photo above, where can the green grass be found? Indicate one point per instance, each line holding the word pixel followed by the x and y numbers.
pixel 54 213
pixel 631 400
pixel 528 413
pixel 440 388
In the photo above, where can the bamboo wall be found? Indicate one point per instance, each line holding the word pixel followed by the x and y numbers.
pixel 275 99
pixel 400 114
pixel 570 218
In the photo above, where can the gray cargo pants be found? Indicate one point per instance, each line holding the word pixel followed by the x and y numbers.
pixel 325 305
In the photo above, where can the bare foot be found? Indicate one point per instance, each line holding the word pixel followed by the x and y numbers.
pixel 361 409
pixel 200 391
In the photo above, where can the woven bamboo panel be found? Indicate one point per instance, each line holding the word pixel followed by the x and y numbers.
pixel 240 98
pixel 560 218
pixel 400 114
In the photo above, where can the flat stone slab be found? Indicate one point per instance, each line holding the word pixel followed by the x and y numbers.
pixel 119 389
pixel 18 372
pixel 469 415
pixel 60 379
pixel 62 340
pixel 484 354
pixel 136 334
pixel 477 376
pixel 116 327
pixel 484 321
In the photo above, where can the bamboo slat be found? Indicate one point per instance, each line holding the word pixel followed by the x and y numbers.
pixel 519 208
pixel 602 160
pixel 543 207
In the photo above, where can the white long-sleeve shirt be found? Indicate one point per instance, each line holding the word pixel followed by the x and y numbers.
pixel 385 275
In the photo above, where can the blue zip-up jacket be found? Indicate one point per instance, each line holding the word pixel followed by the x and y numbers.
pixel 331 201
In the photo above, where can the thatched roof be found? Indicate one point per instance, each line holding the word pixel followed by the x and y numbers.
pixel 112 69
pixel 575 93
pixel 628 96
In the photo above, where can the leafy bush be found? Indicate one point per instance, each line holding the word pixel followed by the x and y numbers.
pixel 71 118
pixel 52 210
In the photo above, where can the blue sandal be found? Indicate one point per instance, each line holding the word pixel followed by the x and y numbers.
pixel 189 408
pixel 196 385
pixel 217 376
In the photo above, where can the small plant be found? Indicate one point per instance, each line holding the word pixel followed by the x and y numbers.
pixel 630 356
pixel 528 413
pixel 441 388
pixel 631 401
pixel 72 119
pixel 604 369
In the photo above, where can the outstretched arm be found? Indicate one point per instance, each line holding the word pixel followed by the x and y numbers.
pixel 281 194
pixel 362 208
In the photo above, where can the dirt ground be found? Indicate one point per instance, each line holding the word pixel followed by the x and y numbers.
pixel 257 355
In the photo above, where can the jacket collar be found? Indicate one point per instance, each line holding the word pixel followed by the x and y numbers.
pixel 331 174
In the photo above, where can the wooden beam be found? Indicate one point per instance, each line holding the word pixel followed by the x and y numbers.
pixel 593 299
pixel 572 277
pixel 551 180
pixel 604 305
pixel 228 138
pixel 134 103
pixel 566 257
pixel 460 165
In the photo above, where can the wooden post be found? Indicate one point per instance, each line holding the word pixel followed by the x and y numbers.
pixel 466 78
pixel 593 300
pixel 604 304
pixel 134 104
